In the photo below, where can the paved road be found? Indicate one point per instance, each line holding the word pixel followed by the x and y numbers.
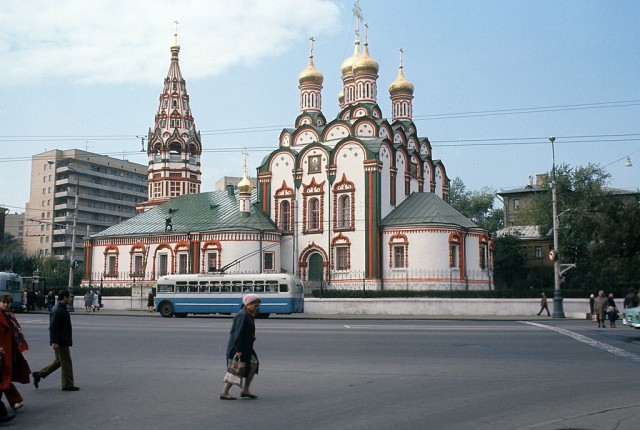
pixel 155 373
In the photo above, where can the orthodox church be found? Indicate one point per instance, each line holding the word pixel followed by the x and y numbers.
pixel 355 202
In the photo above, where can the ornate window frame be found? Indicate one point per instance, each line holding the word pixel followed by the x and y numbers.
pixel 284 194
pixel 340 241
pixel 398 241
pixel 212 247
pixel 137 251
pixel 310 192
pixel 483 252
pixel 111 257
pixel 344 188
pixel 181 250
pixel 454 250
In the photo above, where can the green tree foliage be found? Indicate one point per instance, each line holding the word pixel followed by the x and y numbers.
pixel 12 256
pixel 508 260
pixel 476 205
pixel 598 228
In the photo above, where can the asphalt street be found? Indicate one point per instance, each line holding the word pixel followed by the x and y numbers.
pixel 141 371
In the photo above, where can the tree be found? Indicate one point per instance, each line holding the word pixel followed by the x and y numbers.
pixel 13 257
pixel 508 260
pixel 476 205
pixel 598 228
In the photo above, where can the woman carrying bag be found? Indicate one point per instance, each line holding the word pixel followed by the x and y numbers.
pixel 240 345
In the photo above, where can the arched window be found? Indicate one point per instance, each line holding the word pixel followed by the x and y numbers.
pixel 285 215
pixel 314 214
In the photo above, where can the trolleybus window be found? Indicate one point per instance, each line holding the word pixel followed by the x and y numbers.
pixel 215 286
pixel 181 288
pixel 163 288
pixel 204 288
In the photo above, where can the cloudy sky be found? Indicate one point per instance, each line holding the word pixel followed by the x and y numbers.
pixel 493 79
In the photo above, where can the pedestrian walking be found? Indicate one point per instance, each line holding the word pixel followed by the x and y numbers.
pixel 240 345
pixel 612 311
pixel 543 305
pixel 87 302
pixel 20 371
pixel 599 308
pixel 51 300
pixel 150 301
pixel 61 339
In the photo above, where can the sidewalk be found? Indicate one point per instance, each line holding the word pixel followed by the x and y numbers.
pixel 147 314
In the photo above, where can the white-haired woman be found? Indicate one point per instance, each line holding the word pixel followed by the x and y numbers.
pixel 240 345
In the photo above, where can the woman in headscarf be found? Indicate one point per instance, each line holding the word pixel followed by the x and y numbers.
pixel 240 345
pixel 14 367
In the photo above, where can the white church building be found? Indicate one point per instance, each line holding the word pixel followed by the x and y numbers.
pixel 355 202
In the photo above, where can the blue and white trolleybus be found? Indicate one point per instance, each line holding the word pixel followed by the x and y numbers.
pixel 11 283
pixel 221 293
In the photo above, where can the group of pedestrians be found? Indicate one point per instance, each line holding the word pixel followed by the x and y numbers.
pixel 32 300
pixel 92 301
pixel 13 365
pixel 603 307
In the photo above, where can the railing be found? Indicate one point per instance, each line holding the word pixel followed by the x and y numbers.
pixel 405 280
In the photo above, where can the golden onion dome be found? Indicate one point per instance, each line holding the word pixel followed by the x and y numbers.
pixel 401 85
pixel 347 65
pixel 341 97
pixel 244 186
pixel 365 63
pixel 310 75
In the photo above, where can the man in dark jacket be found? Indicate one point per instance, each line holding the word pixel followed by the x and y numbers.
pixel 61 340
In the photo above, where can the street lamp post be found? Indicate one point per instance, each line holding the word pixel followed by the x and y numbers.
pixel 73 231
pixel 558 311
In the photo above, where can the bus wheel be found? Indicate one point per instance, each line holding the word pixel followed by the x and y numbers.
pixel 166 309
pixel 263 316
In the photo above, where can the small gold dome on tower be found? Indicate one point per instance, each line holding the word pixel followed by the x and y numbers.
pixel 244 186
pixel 311 75
pixel 401 85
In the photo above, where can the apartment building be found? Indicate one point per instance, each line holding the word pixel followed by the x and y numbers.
pixel 14 225
pixel 99 191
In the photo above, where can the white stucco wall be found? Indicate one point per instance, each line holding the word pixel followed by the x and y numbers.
pixel 416 307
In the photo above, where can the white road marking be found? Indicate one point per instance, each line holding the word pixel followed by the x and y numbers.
pixel 591 342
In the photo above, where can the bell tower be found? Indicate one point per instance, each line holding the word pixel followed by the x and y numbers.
pixel 174 146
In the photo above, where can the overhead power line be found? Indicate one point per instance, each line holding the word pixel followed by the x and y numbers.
pixel 269 128
pixel 520 111
pixel 514 141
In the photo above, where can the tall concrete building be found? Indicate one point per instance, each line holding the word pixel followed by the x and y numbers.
pixel 105 189
pixel 14 225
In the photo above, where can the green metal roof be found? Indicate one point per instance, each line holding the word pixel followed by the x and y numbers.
pixel 426 209
pixel 204 212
